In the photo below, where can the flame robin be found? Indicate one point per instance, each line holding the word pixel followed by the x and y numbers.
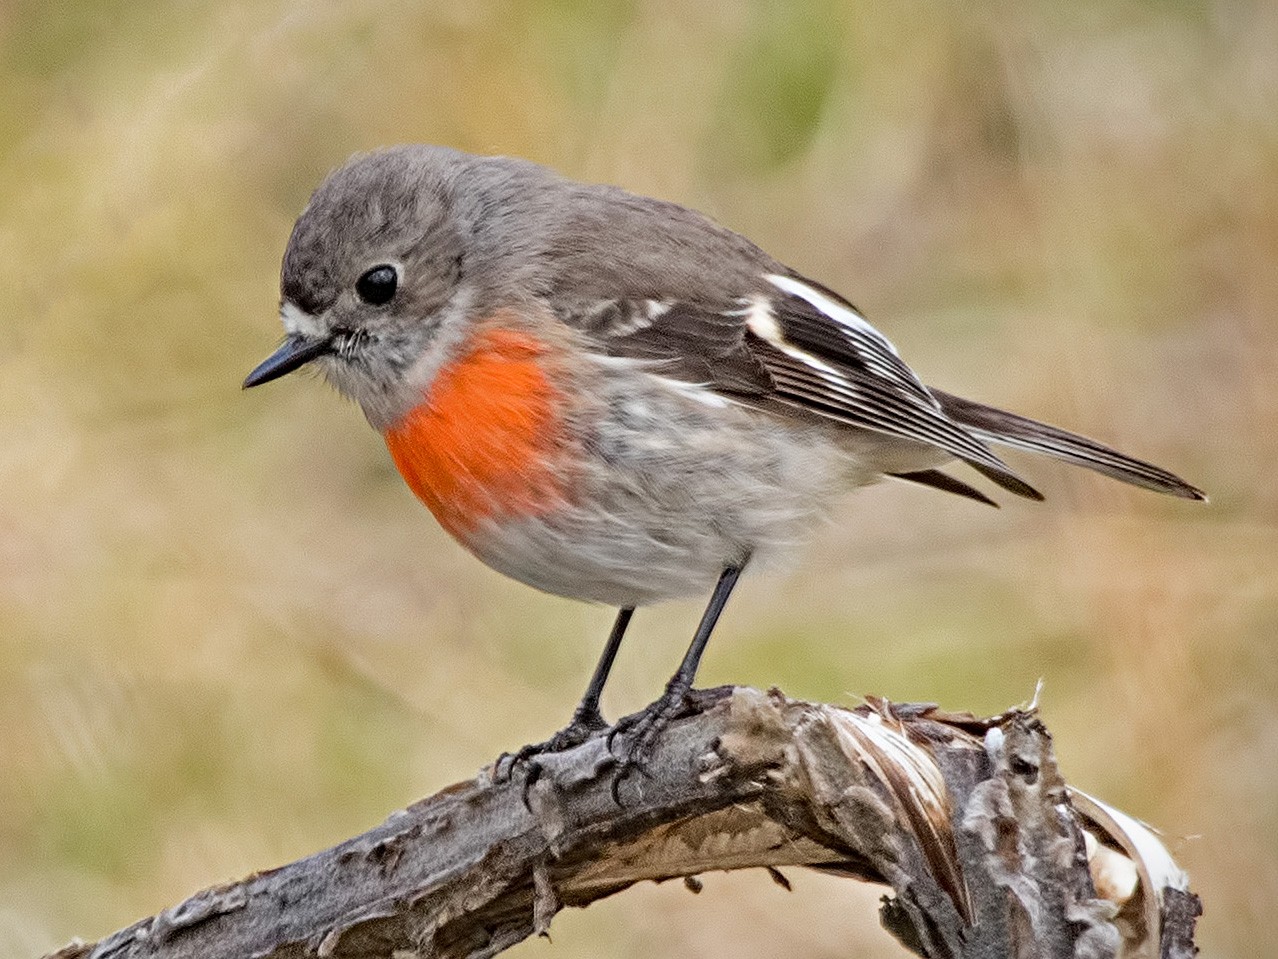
pixel 611 397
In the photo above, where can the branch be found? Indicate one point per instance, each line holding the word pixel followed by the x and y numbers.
pixel 987 851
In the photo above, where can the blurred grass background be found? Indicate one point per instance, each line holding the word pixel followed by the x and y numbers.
pixel 228 635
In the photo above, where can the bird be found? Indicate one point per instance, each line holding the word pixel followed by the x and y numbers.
pixel 614 398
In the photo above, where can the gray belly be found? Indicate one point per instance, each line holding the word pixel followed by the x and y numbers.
pixel 673 490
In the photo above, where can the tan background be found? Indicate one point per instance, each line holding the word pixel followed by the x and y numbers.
pixel 228 636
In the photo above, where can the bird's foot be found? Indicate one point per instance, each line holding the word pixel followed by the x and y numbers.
pixel 640 732
pixel 583 725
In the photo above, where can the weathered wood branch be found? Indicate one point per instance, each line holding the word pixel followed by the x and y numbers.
pixel 986 851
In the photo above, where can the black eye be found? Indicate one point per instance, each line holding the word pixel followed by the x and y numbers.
pixel 377 286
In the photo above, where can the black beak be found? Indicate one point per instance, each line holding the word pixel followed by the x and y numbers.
pixel 294 352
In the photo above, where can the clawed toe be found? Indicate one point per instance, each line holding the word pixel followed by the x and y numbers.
pixel 582 727
pixel 631 743
pixel 639 734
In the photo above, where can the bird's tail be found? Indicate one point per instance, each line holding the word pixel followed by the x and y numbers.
pixel 1021 432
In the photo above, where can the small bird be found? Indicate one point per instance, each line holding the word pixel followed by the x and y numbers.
pixel 611 397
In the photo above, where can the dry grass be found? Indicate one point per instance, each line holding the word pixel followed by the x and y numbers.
pixel 229 637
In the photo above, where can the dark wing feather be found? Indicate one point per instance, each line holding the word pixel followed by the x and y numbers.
pixel 824 355
pixel 782 348
pixel 852 342
pixel 683 341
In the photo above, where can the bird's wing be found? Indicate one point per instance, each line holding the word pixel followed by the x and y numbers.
pixel 790 342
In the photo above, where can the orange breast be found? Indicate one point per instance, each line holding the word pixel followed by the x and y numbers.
pixel 485 439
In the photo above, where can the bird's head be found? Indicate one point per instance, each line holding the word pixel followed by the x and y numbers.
pixel 372 279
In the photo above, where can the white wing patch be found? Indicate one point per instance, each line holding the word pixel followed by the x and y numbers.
pixel 761 321
pixel 840 314
pixel 872 349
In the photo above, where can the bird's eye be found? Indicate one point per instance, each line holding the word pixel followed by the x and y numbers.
pixel 377 285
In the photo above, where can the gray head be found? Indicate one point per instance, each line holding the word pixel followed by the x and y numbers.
pixel 389 208
pixel 374 271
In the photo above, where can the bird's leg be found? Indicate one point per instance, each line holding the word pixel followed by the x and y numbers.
pixel 586 718
pixel 646 727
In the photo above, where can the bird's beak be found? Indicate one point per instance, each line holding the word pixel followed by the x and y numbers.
pixel 294 352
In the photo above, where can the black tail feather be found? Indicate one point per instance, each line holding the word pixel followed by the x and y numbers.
pixel 1006 479
pixel 943 481
pixel 1021 432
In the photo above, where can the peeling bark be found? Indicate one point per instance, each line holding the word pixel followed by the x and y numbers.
pixel 987 852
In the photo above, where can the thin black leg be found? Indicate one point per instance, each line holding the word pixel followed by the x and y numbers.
pixel 587 711
pixel 646 727
pixel 681 682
